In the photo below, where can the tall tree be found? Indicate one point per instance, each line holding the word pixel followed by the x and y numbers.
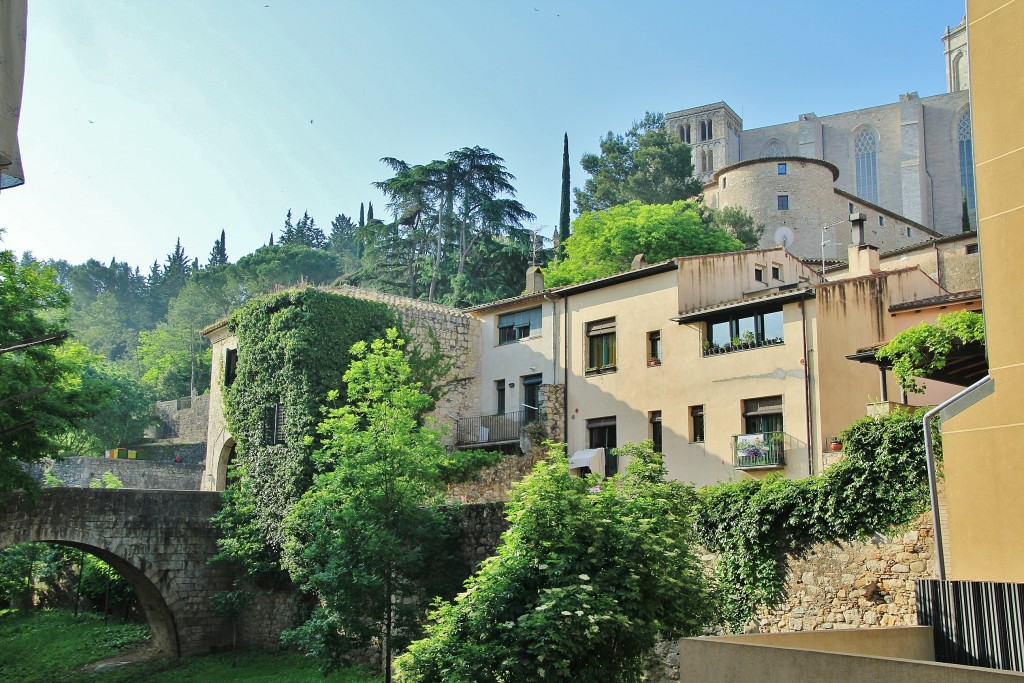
pixel 40 388
pixel 219 253
pixel 589 575
pixel 288 231
pixel 362 216
pixel 363 538
pixel 369 213
pixel 563 214
pixel 605 242
pixel 647 164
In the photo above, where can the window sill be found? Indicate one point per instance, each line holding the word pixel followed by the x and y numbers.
pixel 600 371
pixel 719 350
pixel 653 362
pixel 522 339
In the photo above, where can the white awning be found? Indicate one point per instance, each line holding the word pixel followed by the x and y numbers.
pixel 586 458
pixel 13 15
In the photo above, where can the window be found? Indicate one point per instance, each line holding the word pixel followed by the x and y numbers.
pixel 774 148
pixel 881 221
pixel 703 131
pixel 723 182
pixel 274 423
pixel 865 148
pixel 909 232
pixel 971 248
pixel 654 417
pixel 776 272
pixel 782 169
pixel 601 345
pixel 965 147
pixel 684 133
pixel 499 389
pixel 531 397
pixel 759 274
pixel 762 327
pixel 711 160
pixel 519 325
pixel 654 347
pixel 711 130
pixel 783 202
pixel 230 366
pixel 601 434
pixel 697 424
pixel 762 415
pixel 851 207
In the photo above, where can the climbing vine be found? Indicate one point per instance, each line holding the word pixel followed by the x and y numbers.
pixel 293 348
pixel 752 524
pixel 923 350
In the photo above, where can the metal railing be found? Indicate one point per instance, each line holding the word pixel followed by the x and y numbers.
pixel 765 449
pixel 976 623
pixel 491 429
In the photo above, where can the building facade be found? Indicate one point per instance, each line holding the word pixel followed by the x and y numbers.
pixel 913 157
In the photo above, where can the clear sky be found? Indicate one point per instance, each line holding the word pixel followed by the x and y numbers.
pixel 148 120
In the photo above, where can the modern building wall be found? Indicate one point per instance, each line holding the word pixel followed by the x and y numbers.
pixel 983 443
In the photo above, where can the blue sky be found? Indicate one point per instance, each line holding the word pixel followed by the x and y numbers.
pixel 146 121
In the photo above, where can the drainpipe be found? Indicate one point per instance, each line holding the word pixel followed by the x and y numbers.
pixel 807 387
pixel 930 460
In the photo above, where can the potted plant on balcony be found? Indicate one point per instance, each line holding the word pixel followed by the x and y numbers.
pixel 652 362
pixel 835 445
pixel 750 450
pixel 736 342
pixel 748 340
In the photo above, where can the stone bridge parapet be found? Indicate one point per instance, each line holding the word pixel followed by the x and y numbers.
pixel 159 540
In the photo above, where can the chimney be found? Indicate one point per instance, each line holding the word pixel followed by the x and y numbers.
pixel 638 262
pixel 534 280
pixel 863 257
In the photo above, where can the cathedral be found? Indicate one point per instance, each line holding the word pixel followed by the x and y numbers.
pixel 908 165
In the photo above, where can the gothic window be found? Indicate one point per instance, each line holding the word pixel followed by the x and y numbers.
pixel 865 148
pixel 684 133
pixel 775 148
pixel 710 130
pixel 963 137
pixel 703 161
pixel 711 160
pixel 703 131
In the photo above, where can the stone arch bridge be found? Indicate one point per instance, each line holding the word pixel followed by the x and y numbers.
pixel 160 541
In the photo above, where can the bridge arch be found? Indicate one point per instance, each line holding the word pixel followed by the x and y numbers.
pixel 160 542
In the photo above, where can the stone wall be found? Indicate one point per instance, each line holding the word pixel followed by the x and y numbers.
pixel 134 474
pixel 183 419
pixel 854 585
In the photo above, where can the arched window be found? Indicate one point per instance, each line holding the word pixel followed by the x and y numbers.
pixel 865 149
pixel 711 160
pixel 703 161
pixel 963 138
pixel 703 131
pixel 775 148
pixel 711 129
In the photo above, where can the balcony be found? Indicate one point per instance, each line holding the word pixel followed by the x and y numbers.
pixel 492 429
pixel 762 451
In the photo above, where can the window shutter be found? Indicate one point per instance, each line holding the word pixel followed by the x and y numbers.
pixel 269 425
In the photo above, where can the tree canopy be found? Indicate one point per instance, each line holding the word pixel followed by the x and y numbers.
pixel 604 242
pixel 647 164
pixel 588 576
pixel 924 349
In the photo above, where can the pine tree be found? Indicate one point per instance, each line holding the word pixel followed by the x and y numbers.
pixel 219 253
pixel 563 217
pixel 288 232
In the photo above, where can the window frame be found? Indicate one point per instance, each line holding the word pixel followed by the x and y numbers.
pixel 697 435
pixel 654 348
pixel 656 432
pixel 604 428
pixel 524 324
pixel 782 201
pixel 736 327
pixel 782 169
pixel 230 366
pixel 600 340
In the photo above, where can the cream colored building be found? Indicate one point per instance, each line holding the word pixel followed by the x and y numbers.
pixel 912 158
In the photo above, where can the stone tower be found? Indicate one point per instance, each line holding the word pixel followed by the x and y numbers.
pixel 954 40
pixel 713 130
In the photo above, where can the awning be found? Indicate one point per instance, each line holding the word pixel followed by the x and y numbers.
pixel 12 77
pixel 586 458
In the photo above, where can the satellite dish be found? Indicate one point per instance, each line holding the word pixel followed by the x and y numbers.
pixel 784 236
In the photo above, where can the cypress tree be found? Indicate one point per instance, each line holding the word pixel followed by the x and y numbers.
pixel 563 217
pixel 369 213
pixel 362 216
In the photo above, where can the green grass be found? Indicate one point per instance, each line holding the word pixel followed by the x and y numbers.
pixel 50 646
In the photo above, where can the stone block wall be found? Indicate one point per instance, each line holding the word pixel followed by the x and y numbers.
pixel 182 419
pixel 854 585
pixel 77 472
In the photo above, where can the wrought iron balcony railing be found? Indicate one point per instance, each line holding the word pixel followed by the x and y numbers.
pixel 492 429
pixel 762 450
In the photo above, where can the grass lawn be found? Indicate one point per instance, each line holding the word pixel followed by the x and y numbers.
pixel 52 645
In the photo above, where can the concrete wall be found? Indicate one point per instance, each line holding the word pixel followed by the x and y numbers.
pixel 984 443
pixel 718 661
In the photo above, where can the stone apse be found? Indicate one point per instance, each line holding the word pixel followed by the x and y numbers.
pixel 160 541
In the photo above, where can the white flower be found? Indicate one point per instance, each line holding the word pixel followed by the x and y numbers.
pixel 566 613
pixel 584 577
